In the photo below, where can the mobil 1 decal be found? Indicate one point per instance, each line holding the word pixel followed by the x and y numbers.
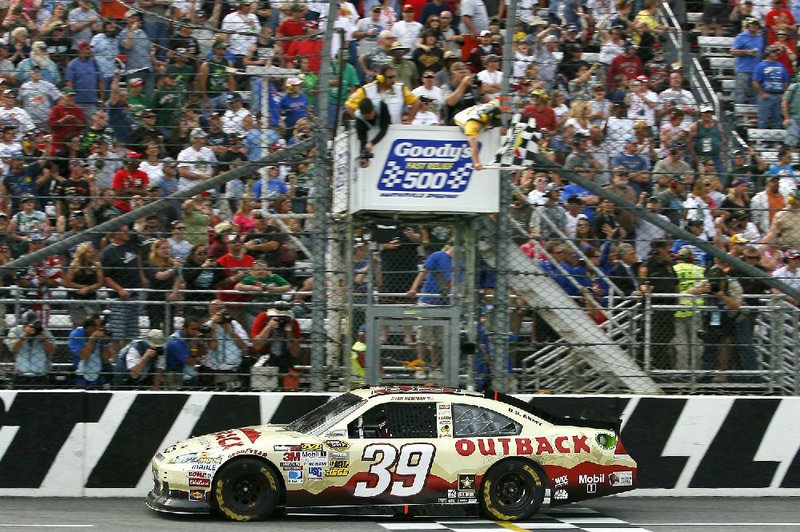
pixel 410 464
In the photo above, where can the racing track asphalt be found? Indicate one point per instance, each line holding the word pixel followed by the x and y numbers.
pixel 610 515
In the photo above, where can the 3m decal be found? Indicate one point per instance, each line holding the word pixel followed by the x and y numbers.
pixel 414 460
pixel 291 457
pixel 294 477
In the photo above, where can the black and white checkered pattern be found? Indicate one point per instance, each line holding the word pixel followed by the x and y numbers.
pixel 392 174
pixel 573 519
pixel 519 144
pixel 460 177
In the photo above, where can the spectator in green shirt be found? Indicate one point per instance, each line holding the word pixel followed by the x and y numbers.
pixel 263 287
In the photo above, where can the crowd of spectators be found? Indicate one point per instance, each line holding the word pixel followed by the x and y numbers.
pixel 108 106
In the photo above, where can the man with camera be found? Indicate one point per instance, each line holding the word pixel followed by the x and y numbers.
pixel 32 347
pixel 227 344
pixel 369 119
pixel 724 293
pixel 183 351
pixel 141 363
pixel 91 352
pixel 277 334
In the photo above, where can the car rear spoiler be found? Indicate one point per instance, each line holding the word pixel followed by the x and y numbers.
pixel 607 424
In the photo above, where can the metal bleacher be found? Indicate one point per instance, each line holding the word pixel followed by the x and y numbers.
pixel 714 46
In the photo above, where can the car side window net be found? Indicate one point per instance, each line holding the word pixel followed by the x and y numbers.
pixel 412 420
pixel 472 421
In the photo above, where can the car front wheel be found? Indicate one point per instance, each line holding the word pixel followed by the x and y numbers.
pixel 512 490
pixel 246 489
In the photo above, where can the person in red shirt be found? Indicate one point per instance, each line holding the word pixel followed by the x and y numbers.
pixel 779 18
pixel 309 49
pixel 294 26
pixel 628 64
pixel 129 181
pixel 237 264
pixel 539 110
pixel 66 119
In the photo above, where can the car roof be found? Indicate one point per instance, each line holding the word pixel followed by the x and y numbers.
pixel 376 391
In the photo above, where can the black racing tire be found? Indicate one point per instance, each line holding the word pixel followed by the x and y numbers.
pixel 512 490
pixel 246 489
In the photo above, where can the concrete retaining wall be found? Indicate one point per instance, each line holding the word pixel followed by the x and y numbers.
pixel 98 444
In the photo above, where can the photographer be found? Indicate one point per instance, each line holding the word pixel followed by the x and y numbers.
pixel 141 363
pixel 724 292
pixel 227 344
pixel 277 334
pixel 91 352
pixel 32 348
pixel 183 351
pixel 367 119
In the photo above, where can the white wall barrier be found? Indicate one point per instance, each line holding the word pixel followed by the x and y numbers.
pixel 98 444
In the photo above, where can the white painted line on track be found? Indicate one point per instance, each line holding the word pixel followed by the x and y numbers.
pixel 716 524
pixel 10 525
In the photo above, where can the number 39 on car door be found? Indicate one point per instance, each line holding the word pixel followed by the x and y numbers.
pixel 397 443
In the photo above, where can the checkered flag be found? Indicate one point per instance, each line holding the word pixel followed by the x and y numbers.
pixel 519 144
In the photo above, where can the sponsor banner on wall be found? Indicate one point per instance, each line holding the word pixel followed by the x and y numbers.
pixel 425 169
pixel 74 443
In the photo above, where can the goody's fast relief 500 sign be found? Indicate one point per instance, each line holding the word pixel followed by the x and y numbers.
pixel 426 169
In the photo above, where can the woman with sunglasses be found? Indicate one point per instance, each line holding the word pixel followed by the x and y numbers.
pixel 201 272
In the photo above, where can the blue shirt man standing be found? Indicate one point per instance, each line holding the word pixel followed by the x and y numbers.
pixel 770 80
pixel 747 49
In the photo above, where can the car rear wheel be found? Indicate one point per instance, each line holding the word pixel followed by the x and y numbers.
pixel 512 490
pixel 246 489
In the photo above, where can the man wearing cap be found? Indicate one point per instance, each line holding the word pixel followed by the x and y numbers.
pixel 84 76
pixel 552 210
pixel 547 61
pixel 628 63
pixel 294 105
pixel 214 80
pixel 138 50
pixel 233 119
pixel 431 91
pixel 84 21
pixel 197 162
pixel 66 119
pixel 747 48
pixel 294 25
pixel 706 138
pixel 49 70
pixel 13 115
pixel 377 56
pixel 407 30
pixel 168 102
pixel 491 77
pixel 386 89
pixel 141 362
pixel 770 80
pixel 673 163
pixel 486 47
pixel 450 35
pixel 789 274
pixel 785 168
pixel 475 120
pixel 182 68
pixel 129 181
pixel 245 26
pixel 184 40
pixel 367 30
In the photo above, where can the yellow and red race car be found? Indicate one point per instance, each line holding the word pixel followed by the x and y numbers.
pixel 397 446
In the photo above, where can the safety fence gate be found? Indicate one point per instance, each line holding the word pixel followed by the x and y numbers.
pixel 436 330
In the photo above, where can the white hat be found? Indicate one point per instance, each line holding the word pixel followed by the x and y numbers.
pixel 155 338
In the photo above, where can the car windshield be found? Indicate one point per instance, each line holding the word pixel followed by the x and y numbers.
pixel 321 418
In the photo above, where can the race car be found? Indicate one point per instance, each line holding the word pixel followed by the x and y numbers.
pixel 398 446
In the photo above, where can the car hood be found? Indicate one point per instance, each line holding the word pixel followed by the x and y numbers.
pixel 263 438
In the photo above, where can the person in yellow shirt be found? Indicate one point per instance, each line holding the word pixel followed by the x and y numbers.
pixel 476 119
pixel 385 89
